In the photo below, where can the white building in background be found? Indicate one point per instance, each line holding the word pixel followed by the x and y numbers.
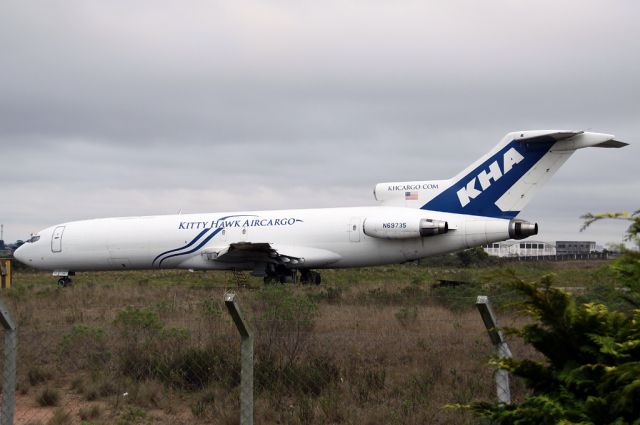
pixel 520 249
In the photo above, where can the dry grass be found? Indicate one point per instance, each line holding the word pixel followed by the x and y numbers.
pixel 382 350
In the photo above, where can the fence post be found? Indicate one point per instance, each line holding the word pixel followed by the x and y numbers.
pixel 9 372
pixel 5 273
pixel 246 360
pixel 499 344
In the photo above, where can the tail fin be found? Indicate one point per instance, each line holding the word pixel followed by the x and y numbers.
pixel 504 180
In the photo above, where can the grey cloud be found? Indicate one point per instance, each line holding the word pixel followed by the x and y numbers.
pixel 135 108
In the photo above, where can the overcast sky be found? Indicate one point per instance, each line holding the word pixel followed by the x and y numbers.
pixel 151 107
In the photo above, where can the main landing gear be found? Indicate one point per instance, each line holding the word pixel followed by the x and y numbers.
pixel 284 275
pixel 309 276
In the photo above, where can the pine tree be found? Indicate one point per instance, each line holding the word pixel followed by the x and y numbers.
pixel 591 368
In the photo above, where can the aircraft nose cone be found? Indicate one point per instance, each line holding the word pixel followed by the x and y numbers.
pixel 19 254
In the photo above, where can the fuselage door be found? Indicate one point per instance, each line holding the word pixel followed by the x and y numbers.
pixel 354 229
pixel 56 239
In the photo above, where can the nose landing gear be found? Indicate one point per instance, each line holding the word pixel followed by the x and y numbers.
pixel 64 278
pixel 64 281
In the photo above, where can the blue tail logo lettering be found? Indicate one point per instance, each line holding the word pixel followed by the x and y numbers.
pixel 470 191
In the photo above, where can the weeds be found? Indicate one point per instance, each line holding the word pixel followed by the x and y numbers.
pixel 48 397
pixel 407 316
pixel 37 375
pixel 376 345
pixel 84 347
pixel 60 417
pixel 90 413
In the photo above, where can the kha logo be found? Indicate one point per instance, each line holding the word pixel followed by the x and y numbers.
pixel 470 191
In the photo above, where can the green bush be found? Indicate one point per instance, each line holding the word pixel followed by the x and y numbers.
pixel 134 323
pixel 195 368
pixel 309 377
pixel 591 370
pixel 284 323
pixel 473 257
pixel 84 347
pixel 145 346
pixel 407 316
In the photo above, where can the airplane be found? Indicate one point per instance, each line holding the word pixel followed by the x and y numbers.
pixel 414 219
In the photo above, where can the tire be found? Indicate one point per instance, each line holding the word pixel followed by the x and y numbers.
pixel 305 277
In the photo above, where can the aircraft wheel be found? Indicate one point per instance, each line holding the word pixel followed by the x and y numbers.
pixel 64 282
pixel 305 277
pixel 316 278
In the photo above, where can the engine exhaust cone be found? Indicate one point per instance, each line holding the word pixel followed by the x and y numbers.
pixel 520 229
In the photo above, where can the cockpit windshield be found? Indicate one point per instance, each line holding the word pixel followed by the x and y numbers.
pixel 32 239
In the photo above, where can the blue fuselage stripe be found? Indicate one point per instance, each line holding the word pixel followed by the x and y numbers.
pixel 207 239
pixel 194 240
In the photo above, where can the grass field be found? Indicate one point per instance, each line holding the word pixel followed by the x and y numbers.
pixel 369 346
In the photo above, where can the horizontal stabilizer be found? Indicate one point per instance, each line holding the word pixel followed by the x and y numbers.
pixel 612 144
pixel 533 136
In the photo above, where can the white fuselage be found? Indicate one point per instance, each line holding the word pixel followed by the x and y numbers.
pixel 325 238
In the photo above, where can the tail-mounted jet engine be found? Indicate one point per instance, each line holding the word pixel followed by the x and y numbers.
pixel 403 227
pixel 520 229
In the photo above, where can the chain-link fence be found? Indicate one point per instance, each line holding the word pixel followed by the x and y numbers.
pixel 173 356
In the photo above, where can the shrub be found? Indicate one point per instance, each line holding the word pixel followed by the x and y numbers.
pixel 48 397
pixel 146 347
pixel 195 368
pixel 591 372
pixel 135 323
pixel 407 316
pixel 88 413
pixel 212 309
pixel 37 375
pixel 284 324
pixel 60 417
pixel 103 386
pixel 473 257
pixel 310 378
pixel 367 382
pixel 85 347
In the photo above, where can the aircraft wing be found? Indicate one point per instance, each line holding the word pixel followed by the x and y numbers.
pixel 262 252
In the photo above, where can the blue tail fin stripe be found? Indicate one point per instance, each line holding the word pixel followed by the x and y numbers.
pixel 484 203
